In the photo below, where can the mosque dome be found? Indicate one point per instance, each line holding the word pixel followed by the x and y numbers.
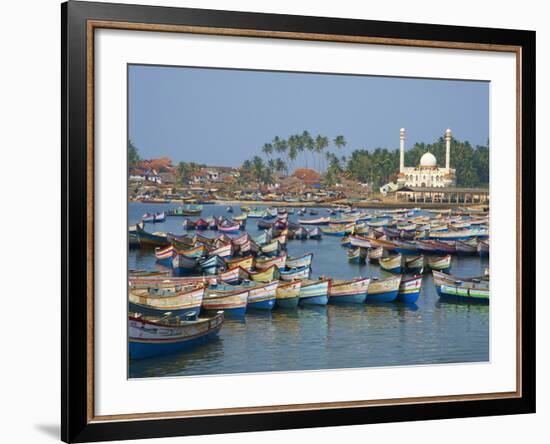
pixel 428 160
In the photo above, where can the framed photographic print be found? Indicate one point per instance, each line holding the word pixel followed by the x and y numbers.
pixel 276 221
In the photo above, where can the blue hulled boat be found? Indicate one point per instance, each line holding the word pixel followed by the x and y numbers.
pixel 314 292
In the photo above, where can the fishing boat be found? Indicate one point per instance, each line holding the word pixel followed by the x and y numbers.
pixel 150 337
pixel 291 274
pixel 164 255
pixel 232 301
pixel 201 224
pixel 263 262
pixel 299 261
pixel 212 265
pixel 441 278
pixel 186 210
pixel 244 262
pixel 271 249
pixel 257 213
pixel 471 292
pixel 182 264
pixel 318 221
pixel 375 254
pixel 440 263
pixel 223 251
pixel 345 242
pixel 269 274
pixel 335 230
pixel 163 281
pixel 188 224
pixel 153 217
pixel 314 233
pixel 229 209
pixel 357 255
pixel 415 264
pixel 288 294
pixel 234 275
pixel 157 301
pixel 313 212
pixel 436 247
pixel 239 240
pixel 391 263
pixel 133 273
pixel 409 290
pixel 383 290
pixel 262 295
pixel 228 227
pixel 314 292
pixel 360 241
pixel 465 247
pixel 405 247
pixel 458 234
pixel 249 248
pixel 483 248
pixel 240 217
pixel 300 233
pixel 349 291
pixel 196 252
pixel 146 239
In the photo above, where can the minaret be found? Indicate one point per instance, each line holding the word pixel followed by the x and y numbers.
pixel 402 150
pixel 448 136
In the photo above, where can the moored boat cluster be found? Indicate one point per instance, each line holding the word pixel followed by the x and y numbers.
pixel 233 272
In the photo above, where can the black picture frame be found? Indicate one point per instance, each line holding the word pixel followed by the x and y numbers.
pixel 76 425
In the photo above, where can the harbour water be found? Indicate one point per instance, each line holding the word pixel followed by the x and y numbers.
pixel 315 338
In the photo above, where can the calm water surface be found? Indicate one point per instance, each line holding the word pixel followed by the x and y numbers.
pixel 428 332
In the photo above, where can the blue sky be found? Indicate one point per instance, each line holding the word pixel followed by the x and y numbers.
pixel 222 117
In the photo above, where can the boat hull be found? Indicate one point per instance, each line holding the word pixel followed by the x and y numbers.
pixel 388 296
pixel 314 300
pixel 149 310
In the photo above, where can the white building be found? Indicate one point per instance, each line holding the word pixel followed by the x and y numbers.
pixel 427 174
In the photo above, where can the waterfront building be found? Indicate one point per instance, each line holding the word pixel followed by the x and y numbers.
pixel 426 174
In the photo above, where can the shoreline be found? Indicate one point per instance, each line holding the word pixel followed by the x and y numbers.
pixel 376 205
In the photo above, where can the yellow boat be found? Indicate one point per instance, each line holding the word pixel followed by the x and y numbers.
pixel 244 262
pixel 288 294
pixel 267 275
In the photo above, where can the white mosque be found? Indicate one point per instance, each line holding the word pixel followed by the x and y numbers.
pixel 427 174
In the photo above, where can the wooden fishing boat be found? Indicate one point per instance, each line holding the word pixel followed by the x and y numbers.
pixel 150 337
pixel 262 295
pixel 256 214
pixel 318 221
pixel 223 251
pixel 188 224
pixel 471 292
pixel 204 240
pixel 439 263
pixel 455 235
pixel 375 254
pixel 158 301
pixel 146 239
pixel 380 242
pixel 164 255
pixel 314 233
pixel 299 261
pixel 483 248
pixel 378 222
pixel 234 275
pixel 145 273
pixel 405 247
pixel 271 249
pixel 182 264
pixel 262 239
pixel 229 227
pixel 163 281
pixel 335 230
pixel 360 241
pixel 212 265
pixel 229 209
pixel 238 241
pixel 391 263
pixel 465 248
pixel 415 264
pixel 267 275
pixel 409 290
pixel 436 247
pixel 244 262
pixel 153 217
pixel 288 294
pixel 186 210
pixel 291 274
pixel 232 302
pixel 349 291
pixel 263 262
pixel 314 292
pixel 197 252
pixel 357 255
pixel 240 217
pixel 383 290
pixel 201 224
pixel 300 233
pixel 249 248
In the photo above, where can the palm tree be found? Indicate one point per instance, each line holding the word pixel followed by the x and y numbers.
pixel 321 143
pixel 280 165
pixel 280 146
pixel 309 144
pixel 267 149
pixel 340 142
pixel 292 149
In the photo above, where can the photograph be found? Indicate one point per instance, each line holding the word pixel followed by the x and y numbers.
pixel 284 221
